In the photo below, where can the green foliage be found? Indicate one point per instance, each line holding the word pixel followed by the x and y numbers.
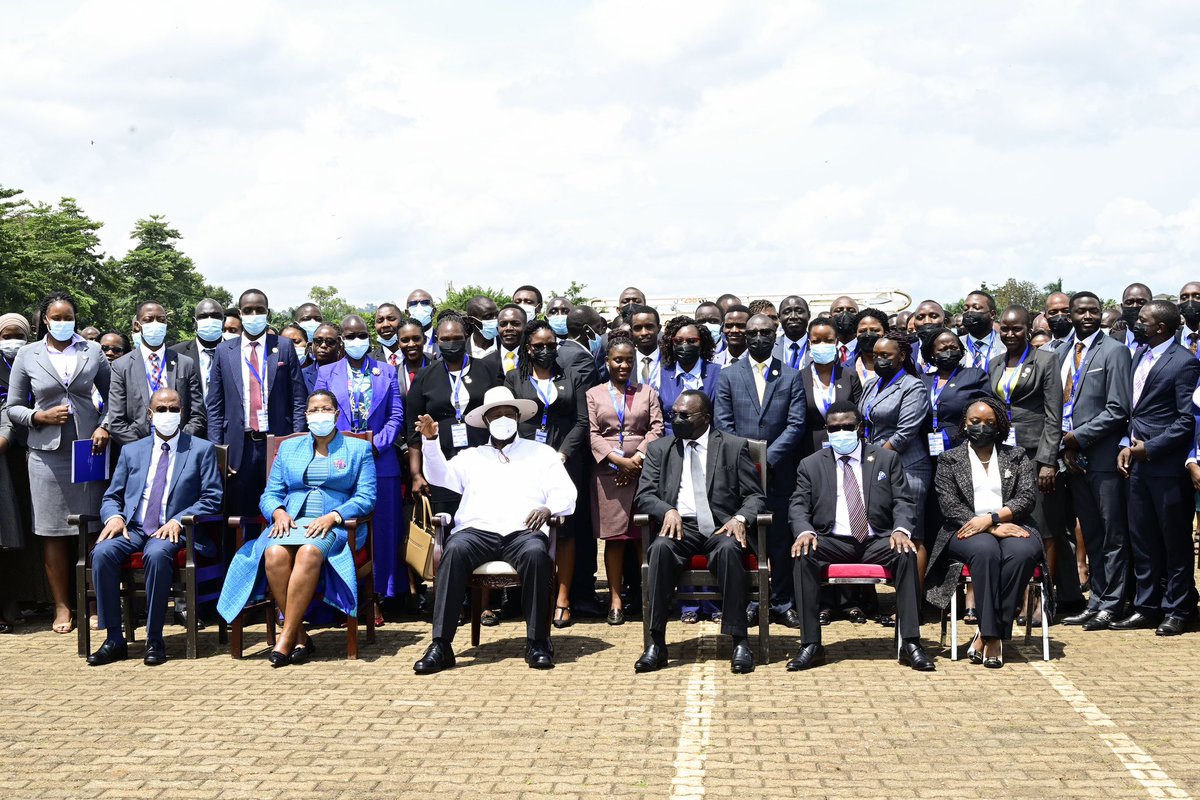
pixel 1013 292
pixel 334 308
pixel 155 269
pixel 456 299
pixel 574 293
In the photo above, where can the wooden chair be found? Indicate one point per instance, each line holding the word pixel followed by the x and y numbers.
pixel 1039 582
pixel 198 579
pixel 861 575
pixel 696 572
pixel 363 561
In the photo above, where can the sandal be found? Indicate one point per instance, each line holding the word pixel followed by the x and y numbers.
pixel 973 655
pixel 489 619
pixel 689 618
pixel 970 617
pixel 63 627
pixel 716 616
pixel 559 622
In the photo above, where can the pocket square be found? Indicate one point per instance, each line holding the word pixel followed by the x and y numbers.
pixel 881 475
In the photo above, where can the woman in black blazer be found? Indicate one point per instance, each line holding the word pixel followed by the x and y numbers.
pixel 986 490
pixel 825 382
pixel 561 422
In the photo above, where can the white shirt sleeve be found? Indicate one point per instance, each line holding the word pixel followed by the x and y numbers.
pixel 437 470
pixel 560 491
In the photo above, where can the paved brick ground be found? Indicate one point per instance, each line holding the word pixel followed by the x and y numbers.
pixel 861 727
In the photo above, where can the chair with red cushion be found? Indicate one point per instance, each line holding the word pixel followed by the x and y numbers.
pixel 860 575
pixel 705 586
pixel 1040 582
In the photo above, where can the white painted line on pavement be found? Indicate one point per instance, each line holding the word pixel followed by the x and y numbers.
pixel 691 752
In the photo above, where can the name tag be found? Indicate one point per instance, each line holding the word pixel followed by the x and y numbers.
pixel 1068 413
pixel 458 433
pixel 937 445
pixel 263 420
pixel 540 435
pixel 1011 441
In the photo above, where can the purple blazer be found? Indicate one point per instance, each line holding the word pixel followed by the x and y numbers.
pixel 386 419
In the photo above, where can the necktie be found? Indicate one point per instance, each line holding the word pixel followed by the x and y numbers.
pixel 1193 338
pixel 155 370
pixel 646 369
pixel 510 361
pixel 152 519
pixel 842 354
pixel 980 354
pixel 704 517
pixel 208 361
pixel 1139 377
pixel 1070 384
pixel 794 360
pixel 255 388
pixel 761 383
pixel 854 502
pixel 394 359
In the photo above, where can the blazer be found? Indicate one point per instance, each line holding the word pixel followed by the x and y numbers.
pixel 385 419
pixel 781 341
pixel 191 349
pixel 35 385
pixel 129 395
pixel 898 415
pixel 16 434
pixel 1035 405
pixel 310 372
pixel 778 420
pixel 886 494
pixel 286 395
pixel 643 420
pixel 1102 400
pixel 575 357
pixel 196 484
pixel 846 386
pixel 430 394
pixel 672 387
pixel 566 417
pixel 731 480
pixel 967 385
pixel 1162 417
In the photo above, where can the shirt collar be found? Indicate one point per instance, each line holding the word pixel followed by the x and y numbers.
pixel 787 343
pixel 654 356
pixel 1091 340
pixel 855 456
pixel 246 340
pixel 701 441
pixel 147 352
pixel 695 370
pixel 172 443
pixel 1160 349
pixel 755 361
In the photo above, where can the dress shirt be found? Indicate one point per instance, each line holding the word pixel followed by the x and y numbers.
pixel 760 368
pixel 262 373
pixel 64 360
pixel 1068 367
pixel 545 389
pixel 1185 334
pixel 851 351
pixel 690 379
pixel 205 354
pixel 985 347
pixel 161 352
pixel 1145 364
pixel 686 504
pixel 480 352
pixel 500 488
pixel 841 520
pixel 655 367
pixel 802 348
pixel 156 454
pixel 505 364
pixel 986 483
pixel 388 352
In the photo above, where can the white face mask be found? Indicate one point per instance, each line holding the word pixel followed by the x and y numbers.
pixel 502 428
pixel 301 352
pixel 9 347
pixel 166 422
pixel 227 335
pixel 530 310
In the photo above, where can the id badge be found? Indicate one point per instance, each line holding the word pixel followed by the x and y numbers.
pixel 1068 413
pixel 1011 441
pixel 936 445
pixel 540 435
pixel 263 420
pixel 458 432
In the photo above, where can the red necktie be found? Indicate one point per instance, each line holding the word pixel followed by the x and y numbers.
pixel 255 388
pixel 854 502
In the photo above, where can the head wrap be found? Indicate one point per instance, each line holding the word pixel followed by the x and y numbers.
pixel 15 319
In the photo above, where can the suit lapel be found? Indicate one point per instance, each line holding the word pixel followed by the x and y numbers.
pixel 137 372
pixel 1156 370
pixel 81 357
pixel 270 357
pixel 673 471
pixel 962 473
pixel 746 373
pixel 868 473
pixel 713 460
pixel 379 386
pixel 1007 473
pixel 182 454
pixel 774 368
pixel 339 384
pixel 233 356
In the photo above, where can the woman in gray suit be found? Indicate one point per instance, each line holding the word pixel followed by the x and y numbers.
pixel 50 394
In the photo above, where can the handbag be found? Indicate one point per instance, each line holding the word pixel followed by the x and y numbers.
pixel 419 550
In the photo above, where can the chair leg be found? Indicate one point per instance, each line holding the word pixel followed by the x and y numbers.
pixel 235 636
pixel 764 614
pixel 222 631
pixel 352 635
pixel 370 604
pixel 1046 588
pixel 193 612
pixel 270 615
pixel 954 625
pixel 645 605
pixel 1029 611
pixel 127 600
pixel 83 630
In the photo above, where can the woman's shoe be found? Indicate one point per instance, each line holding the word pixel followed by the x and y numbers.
pixel 973 655
pixel 856 615
pixel 689 618
pixel 995 662
pixel 488 619
pixel 278 659
pixel 304 652
pixel 616 616
pixel 559 622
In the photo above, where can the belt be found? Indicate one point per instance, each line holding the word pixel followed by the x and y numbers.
pixel 256 436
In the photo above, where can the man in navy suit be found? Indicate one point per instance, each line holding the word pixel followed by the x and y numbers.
pixel 158 481
pixel 1161 502
pixel 760 397
pixel 256 388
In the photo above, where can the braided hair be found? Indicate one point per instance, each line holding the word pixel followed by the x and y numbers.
pixel 1003 424
pixel 900 337
pixel 524 362
pixel 54 297
pixel 666 348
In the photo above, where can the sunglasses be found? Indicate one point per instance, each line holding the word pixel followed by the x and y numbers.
pixel 325 342
pixel 112 348
pixel 841 428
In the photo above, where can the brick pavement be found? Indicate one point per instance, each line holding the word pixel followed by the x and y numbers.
pixel 860 727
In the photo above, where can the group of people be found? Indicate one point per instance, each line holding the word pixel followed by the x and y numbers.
pixel 936 447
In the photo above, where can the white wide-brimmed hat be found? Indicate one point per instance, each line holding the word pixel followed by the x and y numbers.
pixel 500 396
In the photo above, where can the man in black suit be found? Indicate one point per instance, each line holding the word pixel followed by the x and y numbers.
pixel 575 352
pixel 853 506
pixel 210 320
pixel 700 484
pixel 1162 431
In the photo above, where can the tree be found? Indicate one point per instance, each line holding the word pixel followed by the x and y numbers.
pixel 1013 292
pixel 456 299
pixel 574 294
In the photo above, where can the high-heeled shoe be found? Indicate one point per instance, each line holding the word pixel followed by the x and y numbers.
pixel 995 662
pixel 559 621
pixel 973 655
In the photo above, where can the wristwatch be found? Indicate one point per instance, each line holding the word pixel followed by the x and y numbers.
pixel 995 519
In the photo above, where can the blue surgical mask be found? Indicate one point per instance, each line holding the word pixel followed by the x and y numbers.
pixel 321 423
pixel 357 348
pixel 715 329
pixel 489 328
pixel 154 333
pixel 558 324
pixel 421 312
pixel 594 345
pixel 209 330
pixel 136 336
pixel 62 331
pixel 389 341
pixel 843 442
pixel 309 326
pixel 254 324
pixel 823 353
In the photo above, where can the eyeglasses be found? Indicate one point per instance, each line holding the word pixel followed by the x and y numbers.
pixel 695 341
pixel 325 342
pixel 356 336
pixel 841 428
pixel 112 348
pixel 425 303
pixel 687 416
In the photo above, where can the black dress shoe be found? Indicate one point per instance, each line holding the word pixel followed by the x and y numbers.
pixel 538 654
pixel 616 616
pixel 824 617
pixel 1102 620
pixel 752 617
pixel 742 662
pixel 108 652
pixel 181 620
pixel 278 659
pixel 1173 625
pixel 302 653
pixel 156 654
pixel 1136 621
pixel 438 656
pixel 654 659
pixel 810 655
pixel 913 655
pixel 792 618
pixel 1080 618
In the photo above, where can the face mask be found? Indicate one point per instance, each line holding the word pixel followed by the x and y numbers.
pixel 421 313
pixel 714 328
pixel 227 335
pixel 824 353
pixel 977 324
pixel 389 341
pixel 62 331
pixel 452 351
pixel 558 324
pixel 686 353
pixel 302 352
pixel 309 326
pixel 594 345
pixel 502 428
pixel 208 330
pixel 981 433
pixel 685 428
pixel 321 423
pixel 254 323
pixel 946 359
pixel 544 355
pixel 843 442
pixel 843 323
pixel 1130 315
pixel 136 336
pixel 1191 313
pixel 357 348
pixel 9 347
pixel 1141 333
pixel 154 333
pixel 166 422
pixel 866 342
pixel 885 367
pixel 925 331
pixel 530 311
pixel 1061 326
pixel 760 345
pixel 489 328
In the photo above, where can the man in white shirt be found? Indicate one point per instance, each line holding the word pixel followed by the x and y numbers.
pixel 510 489
pixel 482 321
pixel 644 327
pixel 981 341
pixel 792 346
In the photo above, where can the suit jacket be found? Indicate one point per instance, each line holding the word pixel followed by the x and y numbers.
pixel 191 349
pixel 1162 417
pixel 16 434
pixel 1035 404
pixel 578 359
pixel 968 385
pixel 385 419
pixel 129 395
pixel 778 420
pixel 196 485
pixel 887 496
pixel 672 387
pixel 1102 400
pixel 566 418
pixel 782 342
pixel 731 481
pixel 35 385
pixel 286 395
pixel 898 415
pixel 846 386
pixel 643 421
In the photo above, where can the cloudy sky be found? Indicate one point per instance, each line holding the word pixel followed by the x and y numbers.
pixel 686 147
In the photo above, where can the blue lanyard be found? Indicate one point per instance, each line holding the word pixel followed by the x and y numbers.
pixel 799 359
pixel 875 392
pixel 619 406
pixel 825 397
pixel 545 398
pixel 1007 387
pixel 261 385
pixel 162 368
pixel 971 346
pixel 935 395
pixel 455 383
pixel 1069 409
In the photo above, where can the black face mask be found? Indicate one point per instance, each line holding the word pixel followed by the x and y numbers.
pixel 927 330
pixel 760 345
pixel 843 323
pixel 687 428
pixel 945 360
pixel 885 367
pixel 1130 315
pixel 544 355
pixel 981 433
pixel 1191 313
pixel 866 342
pixel 452 350
pixel 1061 326
pixel 977 323
pixel 686 353
pixel 1140 331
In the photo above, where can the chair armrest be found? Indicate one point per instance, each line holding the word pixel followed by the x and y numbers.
pixel 351 525
pixel 239 525
pixel 203 519
pixel 642 522
pixel 80 522
pixel 189 522
pixel 761 524
pixel 556 522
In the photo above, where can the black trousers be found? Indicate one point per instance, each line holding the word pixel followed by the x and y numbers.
pixel 1100 505
pixel 1160 539
pixel 806 571
pixel 1054 517
pixel 1000 571
pixel 244 489
pixel 667 558
pixel 467 549
pixel 779 545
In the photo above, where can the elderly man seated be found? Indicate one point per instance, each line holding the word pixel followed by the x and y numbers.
pixel 510 489
pixel 852 505
pixel 701 484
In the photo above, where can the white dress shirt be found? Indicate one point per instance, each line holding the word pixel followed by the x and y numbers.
pixel 505 364
pixel 161 352
pixel 205 365
pixel 690 379
pixel 64 361
pixel 156 455
pixel 480 352
pixel 841 519
pixel 1068 367
pixel 1143 366
pixel 801 344
pixel 655 368
pixel 263 355
pixel 500 488
pixel 986 483
pixel 686 504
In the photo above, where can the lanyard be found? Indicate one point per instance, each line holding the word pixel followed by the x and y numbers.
pixel 545 398
pixel 799 359
pixel 409 377
pixel 935 395
pixel 358 398
pixel 825 397
pixel 162 368
pixel 620 407
pixel 1069 409
pixel 1006 387
pixel 455 383
pixel 876 391
pixel 261 385
pixel 971 346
